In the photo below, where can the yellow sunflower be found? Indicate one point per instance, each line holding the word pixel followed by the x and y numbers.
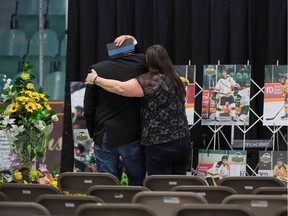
pixel 14 107
pixel 30 107
pixel 22 99
pixel 47 106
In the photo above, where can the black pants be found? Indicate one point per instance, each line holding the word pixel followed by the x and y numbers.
pixel 169 158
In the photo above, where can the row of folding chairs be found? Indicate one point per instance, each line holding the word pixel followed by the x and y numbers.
pixel 125 194
pixel 108 188
pixel 80 182
pixel 165 203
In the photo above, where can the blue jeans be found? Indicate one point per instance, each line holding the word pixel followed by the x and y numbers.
pixel 169 158
pixel 107 160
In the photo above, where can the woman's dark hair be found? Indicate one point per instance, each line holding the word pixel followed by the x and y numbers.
pixel 159 61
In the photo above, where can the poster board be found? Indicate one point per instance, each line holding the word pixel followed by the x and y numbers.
pixel 226 98
pixel 274 163
pixel 81 136
pixel 188 72
pixel 275 95
pixel 212 166
pixel 5 161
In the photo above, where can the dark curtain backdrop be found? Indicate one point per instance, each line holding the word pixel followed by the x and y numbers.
pixel 200 31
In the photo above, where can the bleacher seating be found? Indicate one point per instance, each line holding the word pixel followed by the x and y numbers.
pixel 54 86
pixel 27 16
pixel 56 17
pixel 13 48
pixel 62 54
pixel 50 52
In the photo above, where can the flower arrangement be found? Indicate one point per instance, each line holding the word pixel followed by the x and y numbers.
pixel 27 119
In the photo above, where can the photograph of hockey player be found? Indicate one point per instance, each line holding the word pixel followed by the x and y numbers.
pixel 226 94
pixel 218 171
pixel 275 110
pixel 284 92
pixel 280 170
pixel 223 94
pixel 242 100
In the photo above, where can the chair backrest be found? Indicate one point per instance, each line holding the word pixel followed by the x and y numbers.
pixel 81 181
pixel 212 209
pixel 271 191
pixel 246 184
pixel 115 193
pixel 22 208
pixel 54 85
pixel 282 212
pixel 13 43
pixel 259 204
pixel 120 209
pixel 167 182
pixel 28 16
pixel 3 197
pixel 26 192
pixel 163 203
pixel 211 194
pixel 57 7
pixel 63 204
pixel 30 7
pixel 63 48
pixel 50 44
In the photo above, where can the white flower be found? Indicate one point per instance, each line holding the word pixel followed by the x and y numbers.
pixel 11 137
pixel 17 129
pixel 7 121
pixel 4 97
pixel 7 84
pixel 39 125
pixel 54 118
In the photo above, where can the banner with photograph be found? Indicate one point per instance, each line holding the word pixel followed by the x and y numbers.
pixel 187 74
pixel 274 163
pixel 83 158
pixel 226 94
pixel 275 111
pixel 213 165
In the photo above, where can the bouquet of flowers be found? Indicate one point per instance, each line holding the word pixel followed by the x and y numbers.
pixel 27 119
